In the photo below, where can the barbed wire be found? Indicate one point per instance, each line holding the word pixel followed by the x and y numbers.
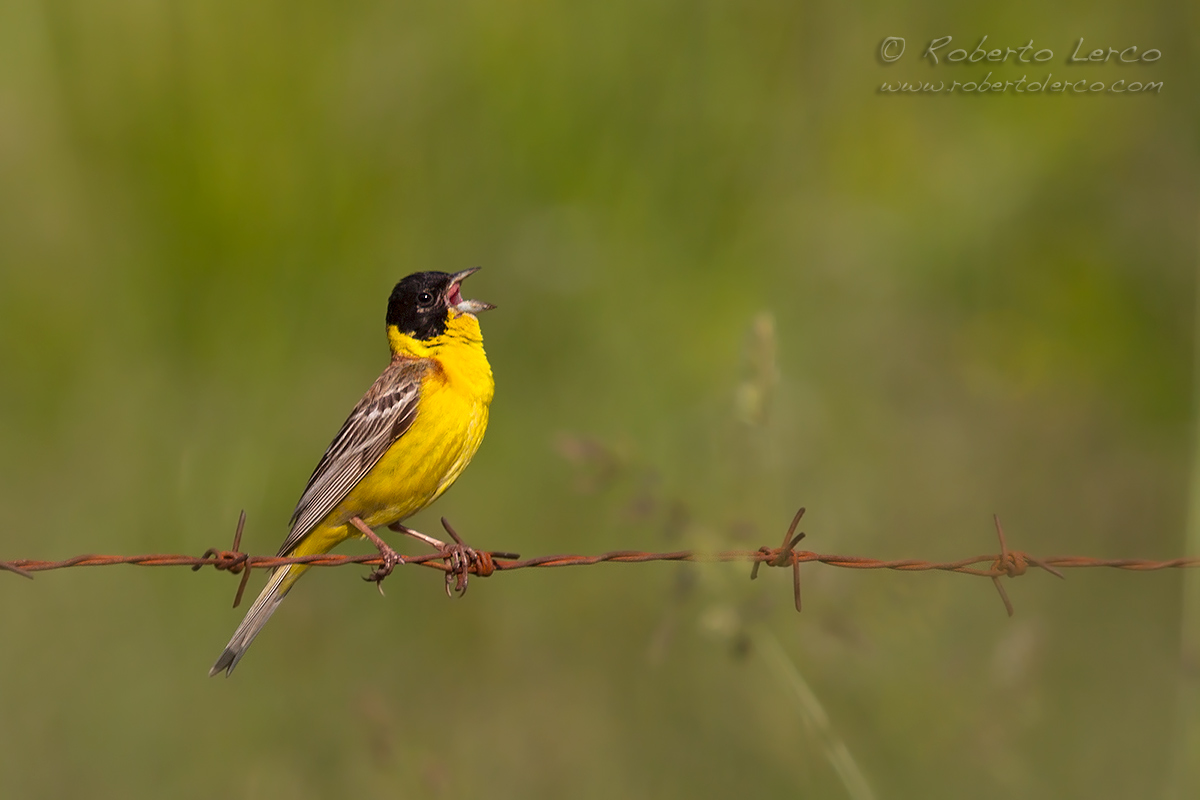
pixel 458 561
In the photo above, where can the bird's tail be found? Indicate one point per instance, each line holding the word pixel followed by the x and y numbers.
pixel 268 600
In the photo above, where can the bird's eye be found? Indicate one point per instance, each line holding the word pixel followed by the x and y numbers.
pixel 424 298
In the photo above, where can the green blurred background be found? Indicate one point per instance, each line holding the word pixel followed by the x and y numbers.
pixel 732 279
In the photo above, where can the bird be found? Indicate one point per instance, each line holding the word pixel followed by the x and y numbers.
pixel 406 441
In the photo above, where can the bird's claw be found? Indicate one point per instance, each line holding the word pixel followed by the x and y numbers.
pixel 459 560
pixel 390 559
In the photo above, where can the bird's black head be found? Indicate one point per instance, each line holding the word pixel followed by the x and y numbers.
pixel 420 304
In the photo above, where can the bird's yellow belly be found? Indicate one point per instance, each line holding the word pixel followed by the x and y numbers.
pixel 447 431
pixel 445 435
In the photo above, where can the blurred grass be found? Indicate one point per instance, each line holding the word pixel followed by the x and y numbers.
pixel 976 304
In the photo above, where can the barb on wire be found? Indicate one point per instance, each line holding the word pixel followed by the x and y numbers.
pixel 784 555
pixel 458 561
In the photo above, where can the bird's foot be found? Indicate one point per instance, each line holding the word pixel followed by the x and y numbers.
pixel 389 557
pixel 460 558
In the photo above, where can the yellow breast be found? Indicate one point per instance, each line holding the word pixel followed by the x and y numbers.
pixel 452 416
pixel 451 419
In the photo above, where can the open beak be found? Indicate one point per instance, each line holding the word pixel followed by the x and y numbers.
pixel 454 297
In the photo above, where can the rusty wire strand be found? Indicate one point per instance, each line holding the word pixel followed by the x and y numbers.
pixel 458 561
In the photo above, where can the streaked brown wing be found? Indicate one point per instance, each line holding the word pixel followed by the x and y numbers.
pixel 383 415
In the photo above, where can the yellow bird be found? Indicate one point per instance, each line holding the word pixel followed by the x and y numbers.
pixel 410 436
